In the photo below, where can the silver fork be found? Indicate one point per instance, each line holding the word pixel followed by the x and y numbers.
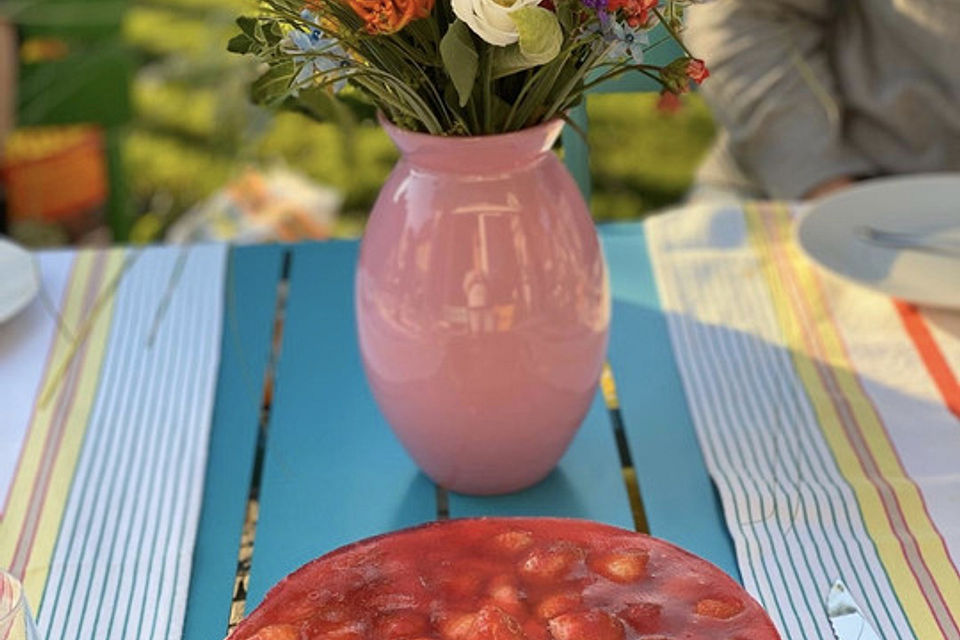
pixel 916 241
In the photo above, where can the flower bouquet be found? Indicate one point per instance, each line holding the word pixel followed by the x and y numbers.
pixel 459 67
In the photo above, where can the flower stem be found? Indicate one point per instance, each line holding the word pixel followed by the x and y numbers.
pixel 645 69
pixel 487 80
pixel 673 32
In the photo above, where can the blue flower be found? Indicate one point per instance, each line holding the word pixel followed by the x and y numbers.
pixel 322 54
pixel 627 42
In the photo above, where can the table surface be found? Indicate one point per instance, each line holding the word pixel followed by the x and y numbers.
pixel 329 471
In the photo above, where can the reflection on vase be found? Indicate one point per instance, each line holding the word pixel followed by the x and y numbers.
pixel 482 307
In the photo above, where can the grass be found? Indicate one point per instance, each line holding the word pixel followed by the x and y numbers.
pixel 643 159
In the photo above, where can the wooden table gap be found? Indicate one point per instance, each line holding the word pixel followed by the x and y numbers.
pixel 609 388
pixel 443 503
pixel 248 535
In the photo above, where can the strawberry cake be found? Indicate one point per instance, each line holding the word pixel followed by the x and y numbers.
pixel 508 579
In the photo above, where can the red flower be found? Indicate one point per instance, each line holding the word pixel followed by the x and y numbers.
pixel 669 102
pixel 697 70
pixel 637 11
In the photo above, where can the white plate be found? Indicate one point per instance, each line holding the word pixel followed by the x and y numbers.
pixel 19 279
pixel 831 232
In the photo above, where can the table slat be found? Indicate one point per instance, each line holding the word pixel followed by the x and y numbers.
pixel 679 498
pixel 250 302
pixel 333 471
pixel 587 483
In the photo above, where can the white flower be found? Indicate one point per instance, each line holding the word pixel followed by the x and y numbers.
pixel 627 42
pixel 320 54
pixel 490 19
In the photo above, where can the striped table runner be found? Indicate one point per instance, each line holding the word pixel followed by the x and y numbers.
pixel 829 418
pixel 115 405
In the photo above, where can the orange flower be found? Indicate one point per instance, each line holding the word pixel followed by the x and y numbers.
pixel 389 16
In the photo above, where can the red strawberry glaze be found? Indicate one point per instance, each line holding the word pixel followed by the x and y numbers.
pixel 508 579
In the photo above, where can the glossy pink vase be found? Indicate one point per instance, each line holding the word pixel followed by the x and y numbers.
pixel 483 306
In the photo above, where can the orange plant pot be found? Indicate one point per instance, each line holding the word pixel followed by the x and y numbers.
pixel 55 175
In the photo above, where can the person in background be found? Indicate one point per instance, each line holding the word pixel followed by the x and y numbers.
pixel 812 95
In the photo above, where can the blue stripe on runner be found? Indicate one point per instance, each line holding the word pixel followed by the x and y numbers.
pixel 173 487
pixel 723 403
pixel 170 419
pixel 174 466
pixel 748 428
pixel 119 612
pixel 704 408
pixel 135 505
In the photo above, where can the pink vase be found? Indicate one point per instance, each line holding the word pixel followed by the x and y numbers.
pixel 483 306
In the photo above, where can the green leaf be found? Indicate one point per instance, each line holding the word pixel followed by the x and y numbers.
pixel 274 84
pixel 359 104
pixel 318 102
pixel 499 110
pixel 566 15
pixel 249 40
pixel 248 25
pixel 508 60
pixel 273 34
pixel 460 59
pixel 540 34
pixel 241 43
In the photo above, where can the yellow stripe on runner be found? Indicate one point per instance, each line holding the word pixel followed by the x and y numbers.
pixel 60 475
pixel 22 484
pixel 792 281
pixel 76 428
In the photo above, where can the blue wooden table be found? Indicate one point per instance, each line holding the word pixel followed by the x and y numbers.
pixel 327 470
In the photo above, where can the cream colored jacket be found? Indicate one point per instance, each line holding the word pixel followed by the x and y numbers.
pixel 808 90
